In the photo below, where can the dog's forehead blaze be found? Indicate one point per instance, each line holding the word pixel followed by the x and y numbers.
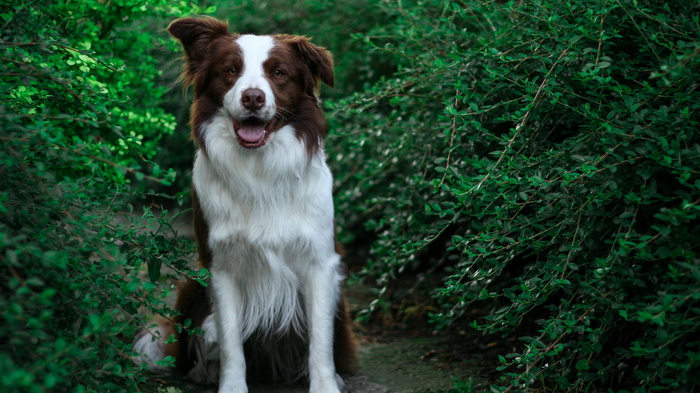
pixel 254 49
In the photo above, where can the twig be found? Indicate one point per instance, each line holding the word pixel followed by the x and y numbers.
pixel 16 275
pixel 600 40
pixel 454 131
pixel 534 103
pixel 573 241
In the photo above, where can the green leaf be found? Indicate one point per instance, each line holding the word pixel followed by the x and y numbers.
pixel 154 265
pixel 582 365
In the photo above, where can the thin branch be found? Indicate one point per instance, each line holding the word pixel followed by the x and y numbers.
pixel 454 131
pixel 600 40
pixel 534 103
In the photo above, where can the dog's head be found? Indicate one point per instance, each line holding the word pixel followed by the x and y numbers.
pixel 261 82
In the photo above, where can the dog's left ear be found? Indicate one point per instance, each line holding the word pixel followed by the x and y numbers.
pixel 318 60
pixel 196 34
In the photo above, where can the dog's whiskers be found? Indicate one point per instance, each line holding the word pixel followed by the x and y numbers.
pixel 281 116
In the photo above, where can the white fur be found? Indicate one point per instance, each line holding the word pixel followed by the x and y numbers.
pixel 270 218
pixel 150 349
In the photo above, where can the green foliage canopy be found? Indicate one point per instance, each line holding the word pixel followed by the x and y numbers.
pixel 544 158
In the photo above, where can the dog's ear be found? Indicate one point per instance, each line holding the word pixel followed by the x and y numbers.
pixel 318 60
pixel 196 34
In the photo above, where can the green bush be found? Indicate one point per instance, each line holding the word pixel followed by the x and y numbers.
pixel 80 125
pixel 543 158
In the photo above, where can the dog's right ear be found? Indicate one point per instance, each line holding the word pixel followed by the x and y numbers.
pixel 196 34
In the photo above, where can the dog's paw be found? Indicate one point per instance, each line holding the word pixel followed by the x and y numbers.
pixel 327 385
pixel 233 388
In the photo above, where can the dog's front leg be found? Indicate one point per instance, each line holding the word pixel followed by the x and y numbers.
pixel 227 301
pixel 322 291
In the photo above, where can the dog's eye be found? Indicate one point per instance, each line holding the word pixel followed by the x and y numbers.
pixel 232 71
pixel 278 73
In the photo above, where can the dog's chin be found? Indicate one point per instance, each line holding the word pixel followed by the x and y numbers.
pixel 253 133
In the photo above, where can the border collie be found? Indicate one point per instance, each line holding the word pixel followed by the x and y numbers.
pixel 263 217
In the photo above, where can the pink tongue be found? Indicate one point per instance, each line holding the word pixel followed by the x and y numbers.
pixel 251 133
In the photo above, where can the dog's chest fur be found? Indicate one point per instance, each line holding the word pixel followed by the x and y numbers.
pixel 272 198
pixel 269 215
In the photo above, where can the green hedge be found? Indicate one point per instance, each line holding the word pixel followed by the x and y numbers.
pixel 80 122
pixel 540 160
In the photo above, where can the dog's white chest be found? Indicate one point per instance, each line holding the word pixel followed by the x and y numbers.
pixel 276 199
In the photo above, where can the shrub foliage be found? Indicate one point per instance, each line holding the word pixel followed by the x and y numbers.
pixel 543 158
pixel 80 121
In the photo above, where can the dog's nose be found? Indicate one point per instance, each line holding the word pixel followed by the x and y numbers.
pixel 253 99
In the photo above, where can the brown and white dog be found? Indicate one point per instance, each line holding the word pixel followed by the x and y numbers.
pixel 263 216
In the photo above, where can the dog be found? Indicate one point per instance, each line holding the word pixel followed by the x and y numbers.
pixel 263 217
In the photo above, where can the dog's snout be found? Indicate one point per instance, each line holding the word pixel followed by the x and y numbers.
pixel 253 99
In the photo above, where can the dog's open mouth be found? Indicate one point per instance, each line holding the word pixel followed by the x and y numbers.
pixel 252 132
